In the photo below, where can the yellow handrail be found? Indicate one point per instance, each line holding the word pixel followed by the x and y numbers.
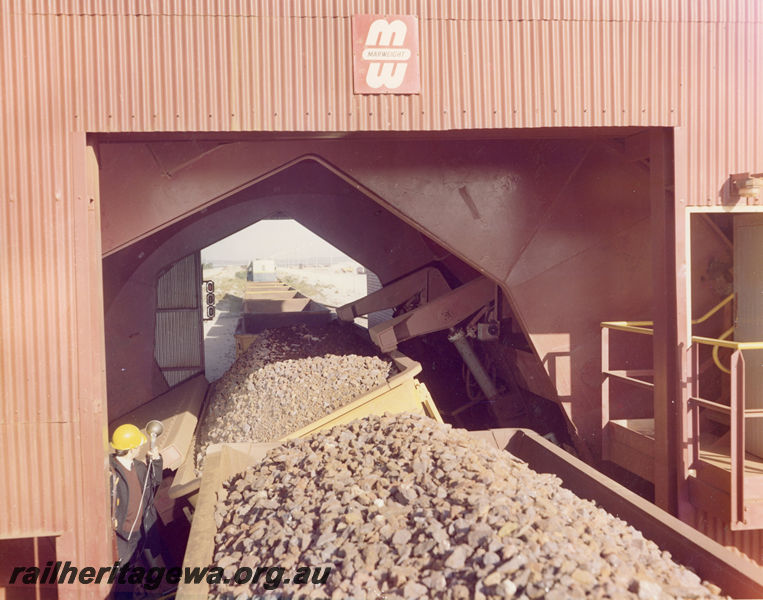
pixel 717 360
pixel 727 344
pixel 719 342
pixel 713 310
pixel 702 319
pixel 642 327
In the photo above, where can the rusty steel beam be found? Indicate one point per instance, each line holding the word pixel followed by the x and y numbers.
pixel 735 575
pixel 422 286
pixel 664 327
pixel 442 313
pixel 671 326
pixel 688 419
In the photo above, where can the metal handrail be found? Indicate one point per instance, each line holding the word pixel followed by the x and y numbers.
pixel 722 409
pixel 732 345
pixel 710 405
pixel 716 349
pixel 713 310
pixel 632 326
pixel 641 324
pixel 737 416
pixel 641 327
pixel 736 410
pixel 628 379
pixel 719 343
pixel 727 343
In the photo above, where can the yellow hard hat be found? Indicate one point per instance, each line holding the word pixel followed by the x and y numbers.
pixel 127 437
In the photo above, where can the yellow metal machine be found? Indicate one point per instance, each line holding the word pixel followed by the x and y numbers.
pixel 401 393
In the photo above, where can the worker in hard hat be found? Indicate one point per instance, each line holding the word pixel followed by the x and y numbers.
pixel 133 484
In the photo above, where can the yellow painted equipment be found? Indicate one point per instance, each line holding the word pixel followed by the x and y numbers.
pixel 401 393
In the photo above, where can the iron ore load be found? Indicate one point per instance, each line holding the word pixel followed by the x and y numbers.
pixel 291 381
pixel 403 507
pixel 286 379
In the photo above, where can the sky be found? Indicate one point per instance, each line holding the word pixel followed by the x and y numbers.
pixel 283 239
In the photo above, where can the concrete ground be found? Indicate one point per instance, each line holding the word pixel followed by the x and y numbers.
pixel 219 343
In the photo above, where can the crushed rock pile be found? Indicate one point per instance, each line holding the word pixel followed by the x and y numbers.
pixel 288 378
pixel 405 507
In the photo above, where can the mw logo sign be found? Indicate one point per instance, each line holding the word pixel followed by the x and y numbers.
pixel 386 54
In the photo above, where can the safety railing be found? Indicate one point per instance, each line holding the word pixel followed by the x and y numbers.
pixel 735 411
pixel 634 378
pixel 631 377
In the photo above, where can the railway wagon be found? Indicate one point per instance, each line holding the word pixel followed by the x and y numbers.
pixel 734 575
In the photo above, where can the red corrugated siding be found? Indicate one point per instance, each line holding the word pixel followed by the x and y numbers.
pixel 287 73
pixel 585 10
pixel 52 416
pixel 295 74
pixel 723 106
pixel 38 500
pixel 557 64
pixel 67 67
pixel 749 543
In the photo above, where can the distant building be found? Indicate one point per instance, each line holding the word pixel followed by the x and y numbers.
pixel 261 270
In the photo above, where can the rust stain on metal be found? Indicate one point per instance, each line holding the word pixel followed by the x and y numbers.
pixel 469 202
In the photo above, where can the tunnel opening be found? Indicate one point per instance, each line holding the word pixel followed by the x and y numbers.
pixel 555 224
pixel 378 242
pixel 532 211
pixel 270 251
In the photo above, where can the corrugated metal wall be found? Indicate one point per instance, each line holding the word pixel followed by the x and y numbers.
pixel 535 63
pixel 722 109
pixel 178 338
pixel 67 67
pixel 179 286
pixel 748 543
pixel 52 388
pixel 295 74
pixel 516 10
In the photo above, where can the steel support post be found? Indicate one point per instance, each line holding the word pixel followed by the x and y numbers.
pixel 605 389
pixel 737 444
pixel 670 259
